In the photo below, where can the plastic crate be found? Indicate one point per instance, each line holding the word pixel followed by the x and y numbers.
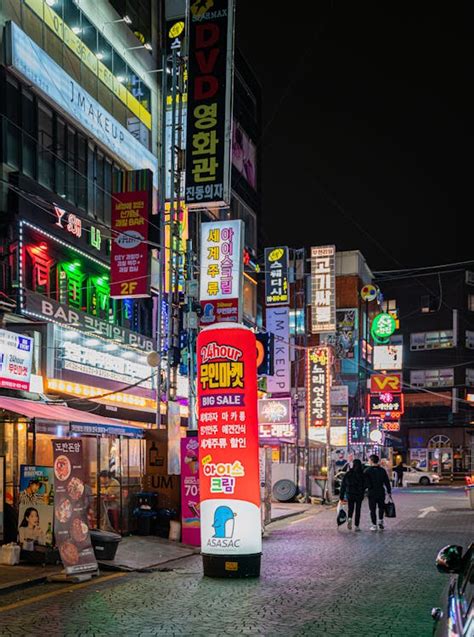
pixel 10 554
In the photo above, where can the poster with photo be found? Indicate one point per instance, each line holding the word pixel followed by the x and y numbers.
pixel 70 500
pixel 36 508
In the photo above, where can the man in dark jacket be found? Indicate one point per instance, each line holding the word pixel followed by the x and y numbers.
pixel 376 480
pixel 353 486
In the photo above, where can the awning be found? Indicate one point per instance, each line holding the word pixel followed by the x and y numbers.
pixel 79 421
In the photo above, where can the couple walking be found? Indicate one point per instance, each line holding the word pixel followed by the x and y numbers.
pixel 354 485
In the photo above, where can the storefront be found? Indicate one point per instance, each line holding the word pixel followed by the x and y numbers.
pixel 113 449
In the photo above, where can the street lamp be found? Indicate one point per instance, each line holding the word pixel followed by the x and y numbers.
pixel 127 19
pixel 146 46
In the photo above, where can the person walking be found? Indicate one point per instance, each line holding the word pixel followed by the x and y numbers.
pixel 399 469
pixel 377 482
pixel 353 484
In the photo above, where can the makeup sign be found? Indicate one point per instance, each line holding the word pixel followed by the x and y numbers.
pixel 228 442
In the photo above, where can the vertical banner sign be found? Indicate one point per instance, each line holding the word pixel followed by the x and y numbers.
pixel 16 352
pixel 2 497
pixel 190 506
pixel 318 386
pixel 174 439
pixel 130 267
pixel 36 508
pixel 228 451
pixel 277 289
pixel 70 509
pixel 277 323
pixel 209 114
pixel 221 271
pixel 323 289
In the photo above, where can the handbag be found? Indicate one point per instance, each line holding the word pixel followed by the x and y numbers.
pixel 390 511
pixel 341 517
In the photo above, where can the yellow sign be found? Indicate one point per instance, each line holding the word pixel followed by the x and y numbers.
pixel 86 391
pixel 176 30
pixel 88 58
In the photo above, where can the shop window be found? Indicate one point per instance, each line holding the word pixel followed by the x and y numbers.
pixel 428 303
pixel 470 302
pixel 470 377
pixel 81 180
pixel 70 168
pixel 12 124
pixel 432 377
pixel 28 118
pixel 45 146
pixel 469 339
pixel 60 159
pixel 431 340
pixel 296 321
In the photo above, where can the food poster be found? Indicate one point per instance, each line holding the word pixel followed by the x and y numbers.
pixel 70 517
pixel 36 509
pixel 228 441
pixel 190 505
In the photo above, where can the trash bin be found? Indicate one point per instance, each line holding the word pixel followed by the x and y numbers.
pixel 104 543
pixel 145 512
pixel 471 495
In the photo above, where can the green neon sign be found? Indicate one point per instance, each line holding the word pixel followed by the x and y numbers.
pixel 383 326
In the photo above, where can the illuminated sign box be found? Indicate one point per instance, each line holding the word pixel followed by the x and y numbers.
pixel 385 403
pixel 365 431
pixel 277 287
pixel 318 384
pixel 385 382
pixel 274 419
pixel 16 354
pixel 323 289
pixel 388 357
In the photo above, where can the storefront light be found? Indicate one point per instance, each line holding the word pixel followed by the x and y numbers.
pixel 92 342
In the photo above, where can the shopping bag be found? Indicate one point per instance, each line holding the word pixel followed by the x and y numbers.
pixel 341 516
pixel 390 511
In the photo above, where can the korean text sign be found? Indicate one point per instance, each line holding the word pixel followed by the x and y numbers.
pixel 209 117
pixel 130 253
pixel 318 385
pixel 228 441
pixel 323 289
pixel 190 507
pixel 277 289
pixel 16 352
pixel 221 270
pixel 70 507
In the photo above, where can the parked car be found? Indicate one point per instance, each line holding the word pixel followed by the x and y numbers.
pixel 413 475
pixel 456 616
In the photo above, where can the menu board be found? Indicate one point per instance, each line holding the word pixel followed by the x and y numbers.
pixel 190 505
pixel 70 516
pixel 36 508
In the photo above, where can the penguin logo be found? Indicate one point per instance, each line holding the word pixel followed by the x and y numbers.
pixel 224 521
pixel 208 314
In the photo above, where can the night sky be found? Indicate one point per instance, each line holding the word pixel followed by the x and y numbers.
pixel 367 126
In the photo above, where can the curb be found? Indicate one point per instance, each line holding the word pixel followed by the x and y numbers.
pixel 22 584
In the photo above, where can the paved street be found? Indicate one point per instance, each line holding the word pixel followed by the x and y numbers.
pixel 316 580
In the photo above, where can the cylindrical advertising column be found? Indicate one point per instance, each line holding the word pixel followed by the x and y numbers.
pixel 231 532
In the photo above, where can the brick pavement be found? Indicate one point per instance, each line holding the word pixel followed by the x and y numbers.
pixel 316 581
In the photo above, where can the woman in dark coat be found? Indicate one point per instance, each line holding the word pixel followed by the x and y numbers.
pixel 353 488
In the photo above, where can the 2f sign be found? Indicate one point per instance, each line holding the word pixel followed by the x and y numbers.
pixel 385 382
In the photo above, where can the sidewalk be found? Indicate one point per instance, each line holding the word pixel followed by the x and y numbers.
pixel 134 553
